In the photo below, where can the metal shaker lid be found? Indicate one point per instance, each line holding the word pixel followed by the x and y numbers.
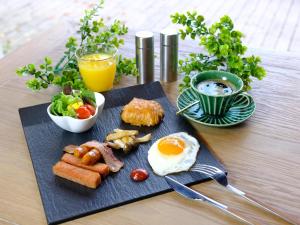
pixel 144 39
pixel 169 37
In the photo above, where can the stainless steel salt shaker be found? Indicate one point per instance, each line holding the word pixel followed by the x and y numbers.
pixel 168 55
pixel 144 49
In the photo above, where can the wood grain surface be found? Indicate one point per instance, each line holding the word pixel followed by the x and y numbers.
pixel 262 155
pixel 266 24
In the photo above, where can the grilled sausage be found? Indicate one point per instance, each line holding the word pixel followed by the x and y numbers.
pixel 91 157
pixel 101 168
pixel 84 177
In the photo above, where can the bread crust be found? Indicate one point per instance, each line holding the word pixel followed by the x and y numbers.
pixel 141 112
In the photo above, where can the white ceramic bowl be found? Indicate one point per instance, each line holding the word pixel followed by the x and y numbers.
pixel 78 125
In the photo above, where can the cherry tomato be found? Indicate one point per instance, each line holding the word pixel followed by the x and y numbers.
pixel 83 112
pixel 139 175
pixel 90 108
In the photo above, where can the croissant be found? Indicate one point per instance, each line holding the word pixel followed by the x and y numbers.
pixel 141 112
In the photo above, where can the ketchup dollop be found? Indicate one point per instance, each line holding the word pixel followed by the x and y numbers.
pixel 139 175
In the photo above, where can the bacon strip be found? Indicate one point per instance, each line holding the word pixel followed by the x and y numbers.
pixel 113 163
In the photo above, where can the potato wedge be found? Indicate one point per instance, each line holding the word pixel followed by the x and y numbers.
pixel 120 143
pixel 128 139
pixel 145 138
pixel 121 130
pixel 125 139
pixel 121 133
pixel 134 132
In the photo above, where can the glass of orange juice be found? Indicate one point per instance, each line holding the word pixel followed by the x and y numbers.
pixel 97 66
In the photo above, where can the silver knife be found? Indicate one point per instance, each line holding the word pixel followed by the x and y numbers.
pixel 194 195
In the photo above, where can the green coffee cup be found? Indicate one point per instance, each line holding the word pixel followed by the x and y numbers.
pixel 218 105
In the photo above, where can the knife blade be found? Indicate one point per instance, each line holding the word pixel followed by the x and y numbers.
pixel 197 196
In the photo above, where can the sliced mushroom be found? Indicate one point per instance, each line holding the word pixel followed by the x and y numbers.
pixel 145 138
pixel 121 133
pixel 125 139
pixel 120 143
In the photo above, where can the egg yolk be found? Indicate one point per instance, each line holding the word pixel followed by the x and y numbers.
pixel 171 146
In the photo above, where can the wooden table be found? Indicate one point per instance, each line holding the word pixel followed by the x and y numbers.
pixel 262 155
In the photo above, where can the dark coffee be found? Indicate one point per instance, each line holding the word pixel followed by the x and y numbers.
pixel 216 87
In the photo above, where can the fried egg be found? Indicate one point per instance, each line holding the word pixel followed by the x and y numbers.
pixel 173 153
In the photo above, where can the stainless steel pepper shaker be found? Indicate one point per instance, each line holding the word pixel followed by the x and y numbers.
pixel 168 55
pixel 144 49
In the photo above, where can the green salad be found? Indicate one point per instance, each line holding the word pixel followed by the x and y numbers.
pixel 80 104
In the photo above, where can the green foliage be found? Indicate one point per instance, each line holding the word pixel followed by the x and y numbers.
pixel 70 77
pixel 42 76
pixel 85 29
pixel 106 34
pixel 92 32
pixel 68 57
pixel 223 46
pixel 125 66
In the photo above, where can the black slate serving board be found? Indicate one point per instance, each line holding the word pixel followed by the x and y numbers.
pixel 64 200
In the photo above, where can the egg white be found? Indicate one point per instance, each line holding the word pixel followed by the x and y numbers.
pixel 166 164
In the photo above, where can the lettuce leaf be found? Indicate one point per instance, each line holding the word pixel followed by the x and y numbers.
pixel 60 103
pixel 88 97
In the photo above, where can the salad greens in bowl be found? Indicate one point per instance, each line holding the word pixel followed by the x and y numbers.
pixel 75 110
pixel 80 104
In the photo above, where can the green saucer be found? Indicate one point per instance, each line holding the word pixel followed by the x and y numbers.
pixel 237 114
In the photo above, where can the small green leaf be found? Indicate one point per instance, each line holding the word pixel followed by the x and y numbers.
pixel 48 61
pixel 31 68
pixel 50 77
pixel 37 74
pixel 200 19
pixel 187 79
pixel 20 71
pixel 224 50
pixel 189 30
pixel 44 85
pixel 33 84
pixel 182 36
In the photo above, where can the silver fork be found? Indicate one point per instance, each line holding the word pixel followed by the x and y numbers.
pixel 220 177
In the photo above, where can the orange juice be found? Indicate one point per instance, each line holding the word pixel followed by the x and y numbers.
pixel 97 71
